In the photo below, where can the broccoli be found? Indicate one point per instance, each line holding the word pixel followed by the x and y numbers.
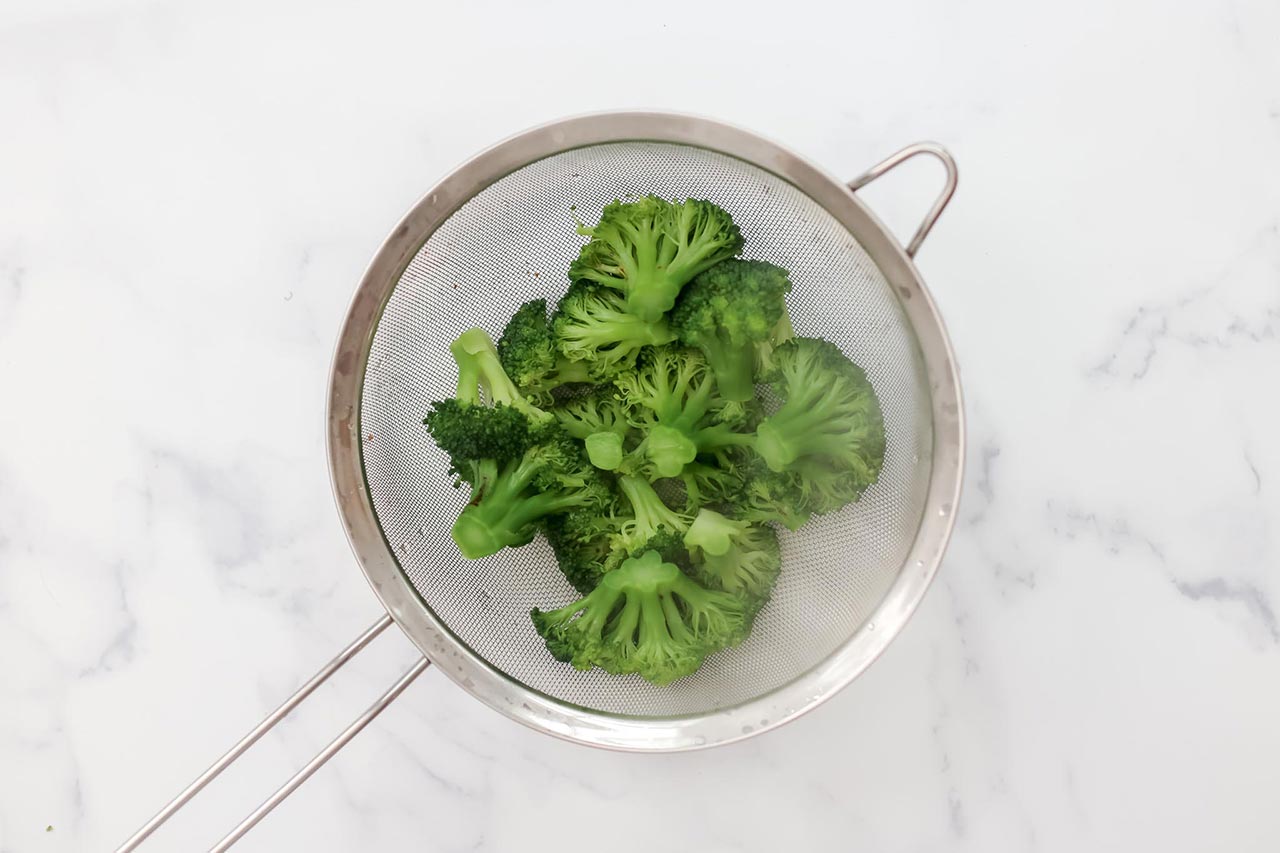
pixel 830 419
pixel 551 476
pixel 529 354
pixel 646 617
pixel 599 420
pixel 592 326
pixel 519 462
pixel 592 541
pixel 782 332
pixel 480 370
pixel 636 442
pixel 822 448
pixel 581 540
pixel 671 394
pixel 649 249
pixel 734 556
pixel 726 312
pixel 764 495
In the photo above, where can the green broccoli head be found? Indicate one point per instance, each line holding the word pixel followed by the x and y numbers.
pixel 600 421
pixel 646 617
pixel 592 541
pixel 829 429
pixel 763 495
pixel 470 431
pixel 672 399
pixel 727 312
pixel 511 494
pixel 481 376
pixel 529 355
pixel 652 524
pixel 592 325
pixel 649 249
pixel 581 540
pixel 734 556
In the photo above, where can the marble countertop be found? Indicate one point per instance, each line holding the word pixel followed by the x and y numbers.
pixel 188 195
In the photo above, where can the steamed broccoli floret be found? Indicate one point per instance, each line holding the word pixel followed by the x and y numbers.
pixel 480 372
pixel 765 495
pixel 584 549
pixel 520 464
pixel 593 326
pixel 529 354
pixel 822 448
pixel 650 248
pixel 829 421
pixel 735 556
pixel 599 420
pixel 726 312
pixel 646 617
pixel 672 397
pixel 551 476
pixel 593 541
pixel 652 524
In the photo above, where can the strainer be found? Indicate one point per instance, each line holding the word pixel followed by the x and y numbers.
pixel 500 231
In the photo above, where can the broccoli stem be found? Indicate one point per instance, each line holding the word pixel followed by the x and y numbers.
pixel 649 510
pixel 504 514
pixel 805 424
pixel 712 532
pixel 734 369
pixel 669 450
pixel 569 371
pixel 604 450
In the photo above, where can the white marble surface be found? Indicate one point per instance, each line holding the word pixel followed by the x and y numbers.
pixel 188 194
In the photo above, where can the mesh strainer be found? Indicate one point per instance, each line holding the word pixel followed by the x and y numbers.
pixel 500 231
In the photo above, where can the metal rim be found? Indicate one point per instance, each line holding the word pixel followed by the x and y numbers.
pixel 475 675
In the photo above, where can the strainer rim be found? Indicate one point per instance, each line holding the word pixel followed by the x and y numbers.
pixel 403 602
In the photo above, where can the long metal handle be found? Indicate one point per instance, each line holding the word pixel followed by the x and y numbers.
pixel 953 176
pixel 257 732
pixel 324 755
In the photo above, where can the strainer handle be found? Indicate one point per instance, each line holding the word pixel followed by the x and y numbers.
pixel 266 725
pixel 953 176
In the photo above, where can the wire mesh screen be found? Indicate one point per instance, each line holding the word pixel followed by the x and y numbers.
pixel 513 242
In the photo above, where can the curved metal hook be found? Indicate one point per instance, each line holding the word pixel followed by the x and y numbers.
pixel 953 177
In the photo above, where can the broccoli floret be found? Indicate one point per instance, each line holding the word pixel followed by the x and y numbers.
pixel 652 524
pixel 593 541
pixel 726 312
pixel 520 464
pixel 763 495
pixel 735 556
pixel 599 420
pixel 551 476
pixel 478 434
pixel 646 617
pixel 650 248
pixel 480 372
pixel 584 549
pixel 830 418
pixel 593 326
pixel 529 354
pixel 672 397
pixel 821 449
